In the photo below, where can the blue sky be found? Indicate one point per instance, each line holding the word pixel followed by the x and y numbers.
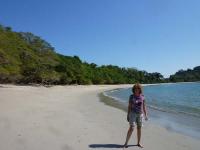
pixel 153 35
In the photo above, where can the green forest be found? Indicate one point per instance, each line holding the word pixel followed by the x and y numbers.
pixel 28 59
pixel 189 75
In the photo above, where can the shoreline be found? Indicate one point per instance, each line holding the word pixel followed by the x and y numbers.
pixel 157 115
pixel 71 118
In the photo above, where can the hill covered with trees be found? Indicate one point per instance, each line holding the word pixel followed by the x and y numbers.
pixel 26 58
pixel 189 75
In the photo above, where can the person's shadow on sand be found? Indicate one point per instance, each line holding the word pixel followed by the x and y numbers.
pixel 108 146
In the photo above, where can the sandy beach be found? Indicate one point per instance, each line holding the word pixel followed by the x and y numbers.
pixel 73 118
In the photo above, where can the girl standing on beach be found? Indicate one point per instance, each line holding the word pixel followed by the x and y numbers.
pixel 136 108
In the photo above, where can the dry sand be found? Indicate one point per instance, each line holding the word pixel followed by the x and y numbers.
pixel 73 118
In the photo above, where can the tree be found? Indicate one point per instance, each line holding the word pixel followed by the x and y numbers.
pixel 8 28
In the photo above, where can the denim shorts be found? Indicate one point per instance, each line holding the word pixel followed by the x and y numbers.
pixel 135 119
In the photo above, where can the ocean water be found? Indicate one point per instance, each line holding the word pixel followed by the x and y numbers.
pixel 176 106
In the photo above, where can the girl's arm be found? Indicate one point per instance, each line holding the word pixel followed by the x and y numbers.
pixel 129 109
pixel 145 110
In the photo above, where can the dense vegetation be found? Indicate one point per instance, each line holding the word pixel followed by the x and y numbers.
pixel 26 58
pixel 186 75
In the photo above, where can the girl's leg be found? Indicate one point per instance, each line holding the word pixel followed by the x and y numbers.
pixel 130 130
pixel 139 136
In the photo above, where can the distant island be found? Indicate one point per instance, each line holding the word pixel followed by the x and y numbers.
pixel 27 59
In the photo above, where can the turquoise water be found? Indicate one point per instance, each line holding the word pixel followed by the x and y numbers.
pixel 174 105
pixel 180 98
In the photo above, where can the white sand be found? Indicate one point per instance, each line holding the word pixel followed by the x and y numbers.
pixel 72 118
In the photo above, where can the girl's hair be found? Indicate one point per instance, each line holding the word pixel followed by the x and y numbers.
pixel 137 86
